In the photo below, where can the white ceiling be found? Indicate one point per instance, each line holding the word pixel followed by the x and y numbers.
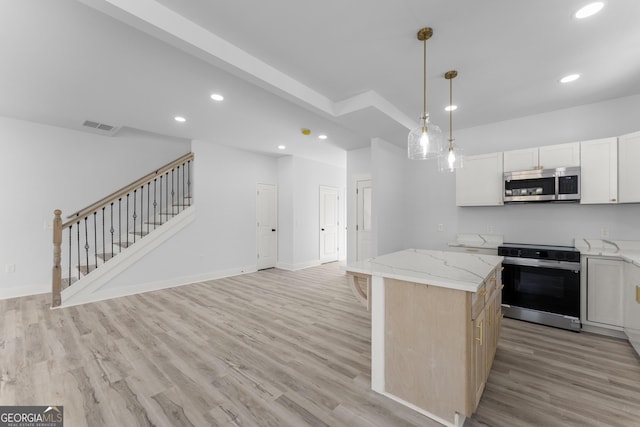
pixel 350 69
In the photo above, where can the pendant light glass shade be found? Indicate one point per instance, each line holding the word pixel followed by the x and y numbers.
pixel 425 142
pixel 452 158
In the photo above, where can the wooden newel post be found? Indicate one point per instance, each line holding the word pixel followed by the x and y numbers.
pixel 56 289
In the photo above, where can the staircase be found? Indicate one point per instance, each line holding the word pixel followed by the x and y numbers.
pixel 100 235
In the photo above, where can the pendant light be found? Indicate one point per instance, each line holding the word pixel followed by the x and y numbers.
pixel 453 158
pixel 425 141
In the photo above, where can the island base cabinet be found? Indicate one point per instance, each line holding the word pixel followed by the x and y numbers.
pixel 426 351
pixel 439 345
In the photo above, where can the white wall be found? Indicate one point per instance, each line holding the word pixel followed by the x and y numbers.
pixel 388 163
pixel 46 168
pixel 304 177
pixel 286 179
pixel 358 168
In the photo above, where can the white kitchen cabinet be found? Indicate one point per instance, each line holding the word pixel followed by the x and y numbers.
pixel 605 283
pixel 628 171
pixel 520 160
pixel 599 171
pixel 559 156
pixel 631 318
pixel 480 181
pixel 547 157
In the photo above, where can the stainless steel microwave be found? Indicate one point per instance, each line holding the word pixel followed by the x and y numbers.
pixel 542 185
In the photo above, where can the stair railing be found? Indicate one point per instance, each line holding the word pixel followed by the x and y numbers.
pixel 100 231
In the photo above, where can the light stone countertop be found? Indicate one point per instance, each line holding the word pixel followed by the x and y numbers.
pixel 627 250
pixel 477 241
pixel 453 270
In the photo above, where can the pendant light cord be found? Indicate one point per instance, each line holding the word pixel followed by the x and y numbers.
pixel 450 114
pixel 424 94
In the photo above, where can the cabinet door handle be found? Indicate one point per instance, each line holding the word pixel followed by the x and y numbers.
pixel 613 200
pixel 480 327
pixel 490 313
pixel 638 294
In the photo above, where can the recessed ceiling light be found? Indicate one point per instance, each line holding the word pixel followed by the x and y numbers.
pixel 323 136
pixel 451 108
pixel 179 119
pixel 217 97
pixel 570 78
pixel 281 147
pixel 589 10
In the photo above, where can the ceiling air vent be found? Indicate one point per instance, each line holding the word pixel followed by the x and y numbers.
pixel 101 128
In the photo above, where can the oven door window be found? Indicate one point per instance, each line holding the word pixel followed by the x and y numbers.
pixel 543 289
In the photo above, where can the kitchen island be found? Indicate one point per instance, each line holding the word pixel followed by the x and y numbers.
pixel 435 321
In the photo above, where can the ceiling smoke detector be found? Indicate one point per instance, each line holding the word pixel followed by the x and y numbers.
pixel 101 128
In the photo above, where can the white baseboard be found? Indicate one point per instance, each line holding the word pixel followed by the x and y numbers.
pixel 298 266
pixel 25 291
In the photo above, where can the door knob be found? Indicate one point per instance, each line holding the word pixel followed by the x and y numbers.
pixel 273 229
pixel 322 229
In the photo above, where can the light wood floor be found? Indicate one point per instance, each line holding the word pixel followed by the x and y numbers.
pixel 278 348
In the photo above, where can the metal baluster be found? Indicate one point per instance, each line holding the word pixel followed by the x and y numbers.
pixel 86 243
pixel 127 217
pixel 166 190
pixel 178 195
pixel 173 192
pixel 95 238
pixel 120 224
pixel 161 201
pixel 183 199
pixel 135 215
pixel 79 258
pixel 148 204
pixel 70 233
pixel 141 211
pixel 111 230
pixel 155 215
pixel 189 181
pixel 103 244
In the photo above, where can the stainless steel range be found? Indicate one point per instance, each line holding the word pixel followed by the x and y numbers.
pixel 541 284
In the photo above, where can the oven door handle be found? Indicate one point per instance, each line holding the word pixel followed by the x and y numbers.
pixel 544 263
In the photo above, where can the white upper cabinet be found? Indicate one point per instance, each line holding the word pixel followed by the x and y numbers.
pixel 521 160
pixel 479 182
pixel 628 171
pixel 559 156
pixel 547 157
pixel 599 171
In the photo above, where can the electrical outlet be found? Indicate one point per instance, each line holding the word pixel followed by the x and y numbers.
pixel 604 232
pixel 10 268
pixel 491 229
pixel 440 227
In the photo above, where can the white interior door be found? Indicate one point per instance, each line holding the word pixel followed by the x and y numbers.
pixel 328 224
pixel 363 219
pixel 267 222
